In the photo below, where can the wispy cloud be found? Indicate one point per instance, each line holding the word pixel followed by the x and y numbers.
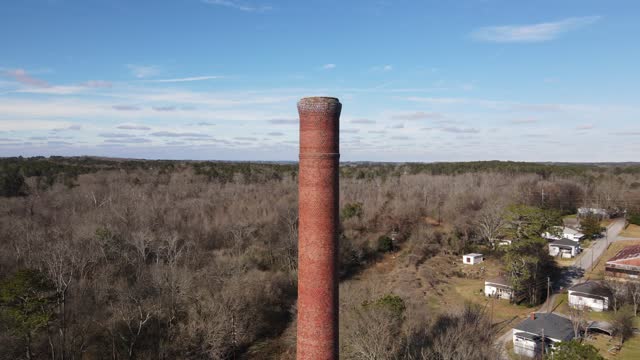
pixel 164 108
pixel 97 84
pixel 239 5
pixel 276 133
pixel 283 121
pixel 21 76
pixel 626 133
pixel 584 127
pixel 187 79
pixel 532 32
pixel 329 66
pixel 126 107
pixel 26 125
pixel 143 71
pixel 363 121
pixel 59 143
pixel 72 127
pixel 349 131
pixel 128 140
pixel 523 121
pixel 419 115
pixel 178 134
pixel 383 68
pixel 132 127
pixel 458 130
pixel 116 135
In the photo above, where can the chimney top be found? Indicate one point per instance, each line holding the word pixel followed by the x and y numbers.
pixel 533 316
pixel 320 104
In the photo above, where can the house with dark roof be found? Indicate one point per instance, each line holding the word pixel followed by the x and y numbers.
pixel 591 295
pixel 625 265
pixel 499 288
pixel 540 332
pixel 564 248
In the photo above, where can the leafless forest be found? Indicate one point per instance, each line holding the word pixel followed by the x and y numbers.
pixel 156 263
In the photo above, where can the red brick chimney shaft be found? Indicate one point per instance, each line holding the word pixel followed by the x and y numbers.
pixel 318 193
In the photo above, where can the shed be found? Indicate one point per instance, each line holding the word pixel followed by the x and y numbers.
pixel 472 259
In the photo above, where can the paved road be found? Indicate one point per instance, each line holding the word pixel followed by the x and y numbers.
pixel 573 274
pixel 591 255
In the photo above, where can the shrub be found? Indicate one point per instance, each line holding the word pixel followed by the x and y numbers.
pixel 385 244
pixel 12 183
pixel 351 210
pixel 390 302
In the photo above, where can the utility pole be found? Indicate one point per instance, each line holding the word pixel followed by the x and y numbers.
pixel 548 294
pixel 544 343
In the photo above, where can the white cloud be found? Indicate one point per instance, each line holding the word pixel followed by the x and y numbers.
pixel 187 79
pixel 24 78
pixel 531 32
pixel 419 115
pixel 238 5
pixel 143 71
pixel 329 66
pixel 523 121
pixel 132 127
pixel 178 134
pixel 26 125
pixel 363 121
pixel 385 68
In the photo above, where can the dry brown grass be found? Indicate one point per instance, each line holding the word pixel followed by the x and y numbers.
pixel 632 231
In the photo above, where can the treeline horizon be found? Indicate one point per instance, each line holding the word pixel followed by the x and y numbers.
pixel 198 260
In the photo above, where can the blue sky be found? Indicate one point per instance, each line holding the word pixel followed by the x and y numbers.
pixel 419 80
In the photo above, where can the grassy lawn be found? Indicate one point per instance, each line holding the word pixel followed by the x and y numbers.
pixel 472 290
pixel 597 273
pixel 630 349
pixel 566 262
pixel 632 231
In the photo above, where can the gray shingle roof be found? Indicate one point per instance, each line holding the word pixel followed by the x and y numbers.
pixel 565 242
pixel 591 288
pixel 555 326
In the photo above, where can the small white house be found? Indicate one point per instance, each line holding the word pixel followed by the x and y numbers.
pixel 564 248
pixel 563 233
pixel 539 333
pixel 498 288
pixel 589 295
pixel 572 234
pixel 472 259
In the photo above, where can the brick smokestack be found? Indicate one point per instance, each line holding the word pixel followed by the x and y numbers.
pixel 318 194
